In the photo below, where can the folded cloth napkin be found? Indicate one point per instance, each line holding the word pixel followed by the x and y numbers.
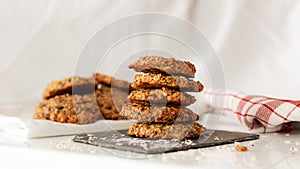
pixel 17 123
pixel 258 113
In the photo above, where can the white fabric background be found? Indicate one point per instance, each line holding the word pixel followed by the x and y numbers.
pixel 258 41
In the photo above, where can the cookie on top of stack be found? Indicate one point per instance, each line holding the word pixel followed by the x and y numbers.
pixel 80 100
pixel 159 98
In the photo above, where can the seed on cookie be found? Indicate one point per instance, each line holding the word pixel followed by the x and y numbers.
pixel 173 82
pixel 166 131
pixel 67 108
pixel 161 96
pixel 158 64
pixel 71 85
pixel 157 114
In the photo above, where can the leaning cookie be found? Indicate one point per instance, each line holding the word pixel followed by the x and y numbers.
pixel 158 64
pixel 162 96
pixel 67 108
pixel 101 79
pixel 157 114
pixel 71 85
pixel 174 82
pixel 166 131
pixel 110 101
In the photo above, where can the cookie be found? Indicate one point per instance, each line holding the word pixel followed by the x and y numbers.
pixel 71 85
pixel 161 96
pixel 166 131
pixel 157 114
pixel 101 79
pixel 174 82
pixel 110 101
pixel 67 108
pixel 169 66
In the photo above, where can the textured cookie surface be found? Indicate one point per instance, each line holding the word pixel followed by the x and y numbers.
pixel 174 82
pixel 110 101
pixel 158 64
pixel 156 114
pixel 161 96
pixel 71 85
pixel 166 131
pixel 109 81
pixel 69 109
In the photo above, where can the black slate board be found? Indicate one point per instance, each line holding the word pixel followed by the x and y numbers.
pixel 120 140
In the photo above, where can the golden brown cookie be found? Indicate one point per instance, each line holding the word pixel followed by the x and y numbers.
pixel 158 64
pixel 71 85
pixel 110 101
pixel 101 79
pixel 157 114
pixel 173 82
pixel 69 109
pixel 161 96
pixel 166 131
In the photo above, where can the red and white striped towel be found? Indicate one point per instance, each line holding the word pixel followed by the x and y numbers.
pixel 258 113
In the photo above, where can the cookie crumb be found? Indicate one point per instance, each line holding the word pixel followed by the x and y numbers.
pixel 217 138
pixel 293 150
pixel 241 148
pixel 288 142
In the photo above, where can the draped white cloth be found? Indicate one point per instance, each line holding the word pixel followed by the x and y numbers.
pixel 258 42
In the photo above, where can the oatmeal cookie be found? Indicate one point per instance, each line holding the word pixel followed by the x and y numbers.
pixel 110 101
pixel 161 96
pixel 174 82
pixel 101 79
pixel 72 85
pixel 158 64
pixel 157 114
pixel 67 108
pixel 166 131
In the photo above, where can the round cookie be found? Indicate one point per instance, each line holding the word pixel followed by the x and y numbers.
pixel 166 131
pixel 157 114
pixel 158 64
pixel 71 85
pixel 67 108
pixel 160 97
pixel 173 82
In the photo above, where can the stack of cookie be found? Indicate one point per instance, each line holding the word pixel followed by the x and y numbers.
pixel 80 100
pixel 159 99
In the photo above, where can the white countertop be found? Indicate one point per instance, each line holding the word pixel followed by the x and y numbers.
pixel 272 150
